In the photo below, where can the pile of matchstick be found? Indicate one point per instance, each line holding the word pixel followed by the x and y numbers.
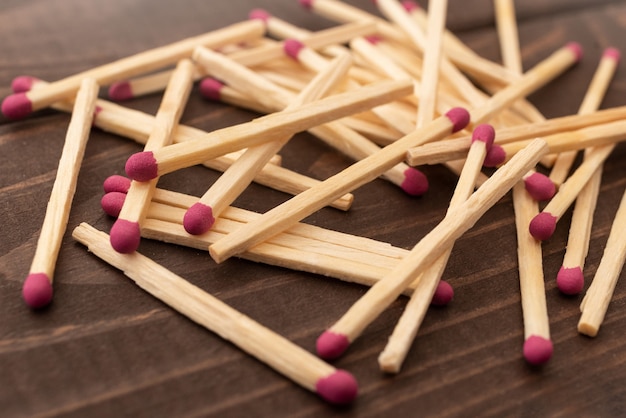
pixel 392 93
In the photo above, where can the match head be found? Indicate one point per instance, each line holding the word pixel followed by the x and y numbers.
pixel 37 290
pixel 17 106
pixel 537 350
pixel 410 6
pixel 542 226
pixel 539 186
pixel 120 91
pixel 125 236
pixel 116 183
pixel 373 39
pixel 577 49
pixel 198 219
pixel 415 182
pixel 23 83
pixel 339 388
pixel 495 156
pixel 331 345
pixel 210 88
pixel 307 4
pixel 142 166
pixel 612 53
pixel 459 118
pixel 292 48
pixel 443 294
pixel 485 133
pixel 112 203
pixel 570 281
pixel 259 14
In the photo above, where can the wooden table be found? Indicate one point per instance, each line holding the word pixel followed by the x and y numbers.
pixel 106 348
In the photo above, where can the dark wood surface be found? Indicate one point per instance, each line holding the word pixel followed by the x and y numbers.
pixel 105 348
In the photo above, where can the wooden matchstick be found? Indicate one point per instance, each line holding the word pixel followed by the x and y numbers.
pixel 506 24
pixel 333 385
pixel 391 358
pixel 20 105
pixel 596 301
pixel 591 102
pixel 147 165
pixel 125 233
pixel 37 288
pixel 361 172
pixel 333 342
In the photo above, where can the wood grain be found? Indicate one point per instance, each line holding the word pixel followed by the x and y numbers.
pixel 105 348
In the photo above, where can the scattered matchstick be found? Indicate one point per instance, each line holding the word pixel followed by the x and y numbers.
pixel 37 288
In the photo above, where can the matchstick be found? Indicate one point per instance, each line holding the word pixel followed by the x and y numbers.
pixel 596 301
pixel 391 358
pixel 125 232
pixel 537 344
pixel 359 173
pixel 333 342
pixel 201 216
pixel 333 385
pixel 506 24
pixel 591 102
pixel 37 288
pixel 147 165
pixel 543 225
pixel 20 105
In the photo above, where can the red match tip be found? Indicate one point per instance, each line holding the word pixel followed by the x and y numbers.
pixel 495 156
pixel 125 236
pixel 307 4
pixel 112 203
pixel 537 350
pixel 211 88
pixel 198 219
pixel 259 14
pixel 339 387
pixel 16 106
pixel 415 182
pixel 577 49
pixel 292 48
pixel 37 290
pixel 330 345
pixel 484 133
pixel 121 91
pixel 373 39
pixel 539 186
pixel 142 166
pixel 459 118
pixel 570 281
pixel 23 83
pixel 612 53
pixel 443 294
pixel 542 226
pixel 116 183
pixel 409 6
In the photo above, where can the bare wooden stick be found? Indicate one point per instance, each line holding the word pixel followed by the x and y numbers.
pixel 506 24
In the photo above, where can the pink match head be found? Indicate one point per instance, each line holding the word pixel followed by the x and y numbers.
pixel 331 345
pixel 210 88
pixel 410 6
pixel 120 91
pixel 112 203
pixel 577 49
pixel 539 186
pixel 198 219
pixel 125 236
pixel 415 182
pixel 292 48
pixel 307 4
pixel 495 156
pixel 142 166
pixel 116 183
pixel 259 14
pixel 459 118
pixel 612 53
pixel 537 350
pixel 485 133
pixel 443 294
pixel 23 83
pixel 542 226
pixel 570 281
pixel 17 106
pixel 340 387
pixel 373 39
pixel 37 290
